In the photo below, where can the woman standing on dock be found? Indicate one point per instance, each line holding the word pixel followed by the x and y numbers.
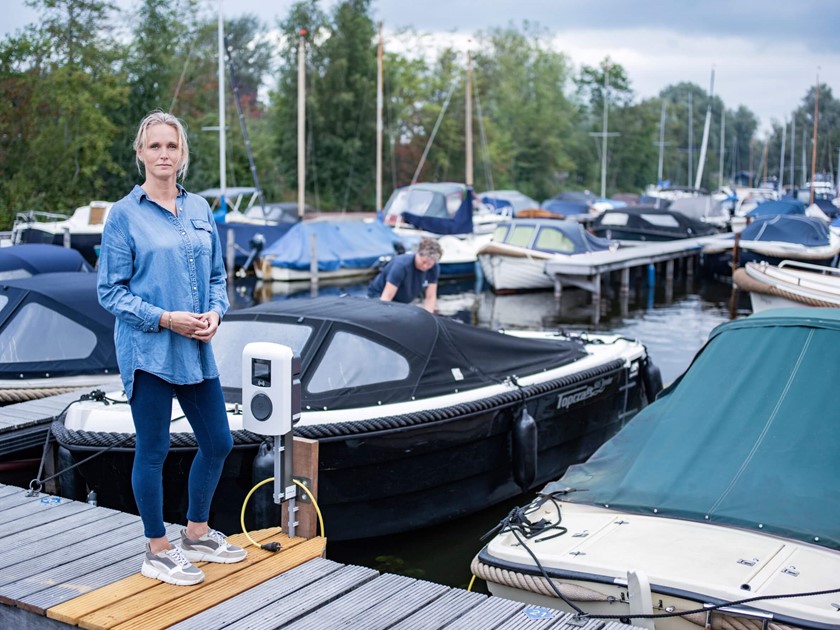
pixel 161 275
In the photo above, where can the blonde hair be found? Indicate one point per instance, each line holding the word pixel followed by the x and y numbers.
pixel 159 117
pixel 430 248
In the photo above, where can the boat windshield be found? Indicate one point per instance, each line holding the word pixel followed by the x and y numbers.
pixel 424 202
pixel 35 321
pixel 234 335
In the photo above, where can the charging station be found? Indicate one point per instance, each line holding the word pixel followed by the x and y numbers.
pixel 271 398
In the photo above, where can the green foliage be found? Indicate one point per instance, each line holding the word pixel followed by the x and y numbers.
pixel 76 84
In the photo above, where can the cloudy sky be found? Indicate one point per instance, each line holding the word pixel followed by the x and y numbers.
pixel 766 54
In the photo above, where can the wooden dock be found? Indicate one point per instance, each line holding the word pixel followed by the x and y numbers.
pixel 25 425
pixel 586 271
pixel 64 563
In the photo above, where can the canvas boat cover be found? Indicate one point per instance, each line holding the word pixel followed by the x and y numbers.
pixel 351 335
pixel 785 228
pixel 773 207
pixel 459 223
pixel 22 261
pixel 566 207
pixel 544 236
pixel 699 207
pixel 643 219
pixel 747 436
pixel 53 324
pixel 339 245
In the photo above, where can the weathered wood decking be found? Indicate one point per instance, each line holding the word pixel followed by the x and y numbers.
pixel 25 425
pixel 65 563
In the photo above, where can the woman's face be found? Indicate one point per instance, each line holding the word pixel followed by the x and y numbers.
pixel 424 263
pixel 161 154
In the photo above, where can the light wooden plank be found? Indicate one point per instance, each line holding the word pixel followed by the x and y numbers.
pixel 450 606
pixel 282 590
pixel 173 604
pixel 71 611
pixel 303 602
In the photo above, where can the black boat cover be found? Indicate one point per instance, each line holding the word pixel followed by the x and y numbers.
pixel 359 352
pixel 52 324
pixel 644 220
pixel 29 259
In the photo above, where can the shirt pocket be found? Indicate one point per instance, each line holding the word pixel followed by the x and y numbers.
pixel 203 234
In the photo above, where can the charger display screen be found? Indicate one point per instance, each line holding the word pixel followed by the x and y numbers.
pixel 261 372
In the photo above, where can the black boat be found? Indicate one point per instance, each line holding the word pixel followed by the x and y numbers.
pixel 646 223
pixel 420 419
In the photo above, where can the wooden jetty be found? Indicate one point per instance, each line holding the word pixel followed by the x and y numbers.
pixel 25 425
pixel 586 271
pixel 65 563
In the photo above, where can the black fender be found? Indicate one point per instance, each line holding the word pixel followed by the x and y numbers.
pixel 525 449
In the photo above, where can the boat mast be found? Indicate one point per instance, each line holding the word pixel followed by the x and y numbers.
pixel 301 119
pixel 701 166
pixel 661 144
pixel 690 139
pixel 804 165
pixel 604 132
pixel 379 122
pixel 792 146
pixel 782 159
pixel 814 142
pixel 222 148
pixel 722 141
pixel 468 113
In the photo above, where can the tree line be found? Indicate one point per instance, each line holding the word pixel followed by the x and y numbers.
pixel 77 82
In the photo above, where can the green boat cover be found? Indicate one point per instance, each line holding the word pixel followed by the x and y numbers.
pixel 748 436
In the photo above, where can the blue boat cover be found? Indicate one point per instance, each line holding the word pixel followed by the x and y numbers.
pixel 772 207
pixel 460 223
pixel 33 258
pixel 71 296
pixel 564 207
pixel 787 228
pixel 340 245
pixel 746 437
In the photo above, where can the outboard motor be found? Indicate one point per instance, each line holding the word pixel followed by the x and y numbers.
pixel 257 243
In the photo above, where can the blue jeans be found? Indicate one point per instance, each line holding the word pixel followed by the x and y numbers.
pixel 151 405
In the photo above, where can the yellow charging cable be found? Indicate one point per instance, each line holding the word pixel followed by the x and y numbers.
pixel 274 546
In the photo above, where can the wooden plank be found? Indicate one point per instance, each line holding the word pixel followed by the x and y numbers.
pixel 70 611
pixel 93 576
pixel 394 609
pixel 451 605
pixel 536 617
pixel 355 603
pixel 26 578
pixel 78 515
pixel 42 518
pixel 29 506
pixel 166 604
pixel 488 614
pixel 288 591
pixel 22 562
pixel 305 465
pixel 304 602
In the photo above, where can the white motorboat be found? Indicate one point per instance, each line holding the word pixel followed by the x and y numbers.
pixel 790 283
pixel 715 507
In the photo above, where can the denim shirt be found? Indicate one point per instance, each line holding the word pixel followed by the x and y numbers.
pixel 152 261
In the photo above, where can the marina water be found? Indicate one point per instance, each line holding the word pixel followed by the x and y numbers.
pixel 672 323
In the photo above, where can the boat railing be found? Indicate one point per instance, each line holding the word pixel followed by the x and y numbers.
pixel 37 216
pixel 822 269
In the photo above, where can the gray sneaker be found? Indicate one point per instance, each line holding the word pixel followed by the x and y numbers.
pixel 212 547
pixel 171 566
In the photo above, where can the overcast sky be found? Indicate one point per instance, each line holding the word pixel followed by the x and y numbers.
pixel 766 54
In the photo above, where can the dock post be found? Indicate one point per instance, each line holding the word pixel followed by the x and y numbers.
pixel 305 471
pixel 313 265
pixel 689 273
pixel 669 280
pixel 66 238
pixel 230 253
pixel 596 298
pixel 624 291
pixel 558 287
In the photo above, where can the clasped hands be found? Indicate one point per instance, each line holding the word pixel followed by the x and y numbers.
pixel 201 326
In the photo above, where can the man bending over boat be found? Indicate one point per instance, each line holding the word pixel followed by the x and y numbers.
pixel 410 276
